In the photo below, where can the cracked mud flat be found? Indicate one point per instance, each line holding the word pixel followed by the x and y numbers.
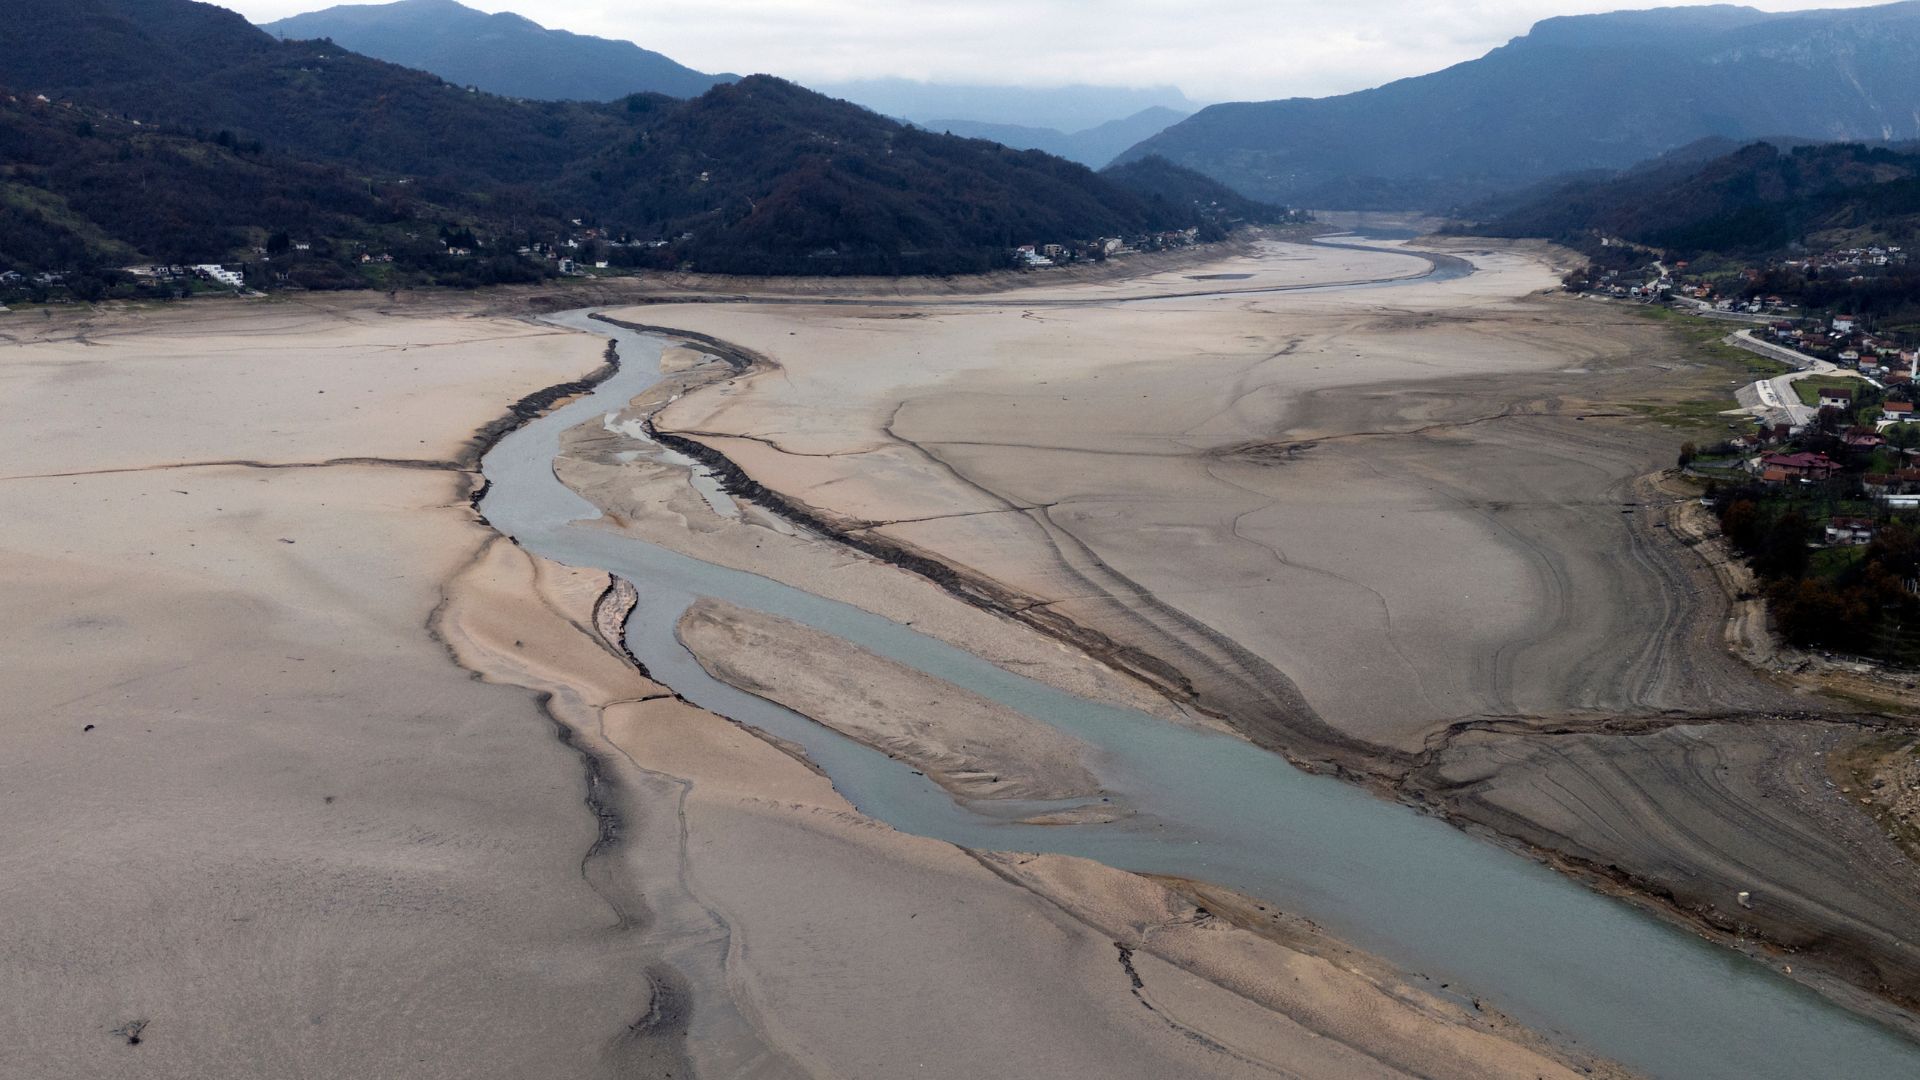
pixel 1377 531
pixel 308 766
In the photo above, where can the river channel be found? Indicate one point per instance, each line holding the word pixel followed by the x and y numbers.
pixel 1441 904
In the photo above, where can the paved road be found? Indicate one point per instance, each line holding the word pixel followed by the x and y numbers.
pixel 1775 400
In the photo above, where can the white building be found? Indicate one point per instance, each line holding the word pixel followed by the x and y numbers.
pixel 232 279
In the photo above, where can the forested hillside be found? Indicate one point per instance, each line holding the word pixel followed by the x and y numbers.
pixel 176 130
pixel 1757 200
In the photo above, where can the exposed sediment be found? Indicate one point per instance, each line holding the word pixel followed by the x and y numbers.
pixel 1494 432
pixel 306 837
pixel 973 747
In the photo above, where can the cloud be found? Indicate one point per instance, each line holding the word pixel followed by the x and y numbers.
pixel 1217 51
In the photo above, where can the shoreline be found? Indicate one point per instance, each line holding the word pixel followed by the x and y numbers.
pixel 1833 973
pixel 574 293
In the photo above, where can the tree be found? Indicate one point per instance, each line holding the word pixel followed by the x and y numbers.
pixel 1784 552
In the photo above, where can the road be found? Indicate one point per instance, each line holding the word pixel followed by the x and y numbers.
pixel 1775 400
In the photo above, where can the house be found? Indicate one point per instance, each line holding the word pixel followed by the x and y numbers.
pixel 1836 397
pixel 1849 357
pixel 232 279
pixel 1849 531
pixel 1901 411
pixel 1843 324
pixel 1800 466
pixel 1862 441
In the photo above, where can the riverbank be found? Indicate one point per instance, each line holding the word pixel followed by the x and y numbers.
pixel 1501 429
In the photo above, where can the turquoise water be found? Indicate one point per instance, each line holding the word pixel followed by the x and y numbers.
pixel 1429 898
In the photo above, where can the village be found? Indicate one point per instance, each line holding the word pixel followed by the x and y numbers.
pixel 1819 486
pixel 1041 256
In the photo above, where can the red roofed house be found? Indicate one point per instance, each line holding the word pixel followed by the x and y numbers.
pixel 1801 466
pixel 1836 397
pixel 1848 531
pixel 1897 410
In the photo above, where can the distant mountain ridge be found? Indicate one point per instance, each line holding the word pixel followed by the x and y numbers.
pixel 1094 147
pixel 1576 93
pixel 1058 108
pixel 502 53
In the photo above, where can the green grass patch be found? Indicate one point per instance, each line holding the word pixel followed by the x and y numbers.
pixel 1809 388
pixel 1831 562
pixel 1700 418
pixel 1707 341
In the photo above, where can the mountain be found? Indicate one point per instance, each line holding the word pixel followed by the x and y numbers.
pixel 129 119
pixel 1095 147
pixel 1059 108
pixel 178 63
pixel 1576 93
pixel 1754 201
pixel 1175 191
pixel 774 178
pixel 502 54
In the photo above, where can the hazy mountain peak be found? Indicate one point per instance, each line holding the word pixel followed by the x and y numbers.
pixel 1061 108
pixel 502 53
pixel 1576 93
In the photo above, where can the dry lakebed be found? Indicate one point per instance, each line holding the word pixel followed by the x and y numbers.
pixel 1290 665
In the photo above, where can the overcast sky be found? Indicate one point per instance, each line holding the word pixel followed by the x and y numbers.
pixel 1220 50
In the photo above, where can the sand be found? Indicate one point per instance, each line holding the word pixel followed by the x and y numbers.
pixel 309 771
pixel 1354 526
pixel 250 801
pixel 973 747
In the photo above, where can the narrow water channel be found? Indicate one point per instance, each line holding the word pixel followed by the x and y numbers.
pixel 1437 902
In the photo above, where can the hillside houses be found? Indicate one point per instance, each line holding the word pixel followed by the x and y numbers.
pixel 1849 531
pixel 1796 466
pixel 220 275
